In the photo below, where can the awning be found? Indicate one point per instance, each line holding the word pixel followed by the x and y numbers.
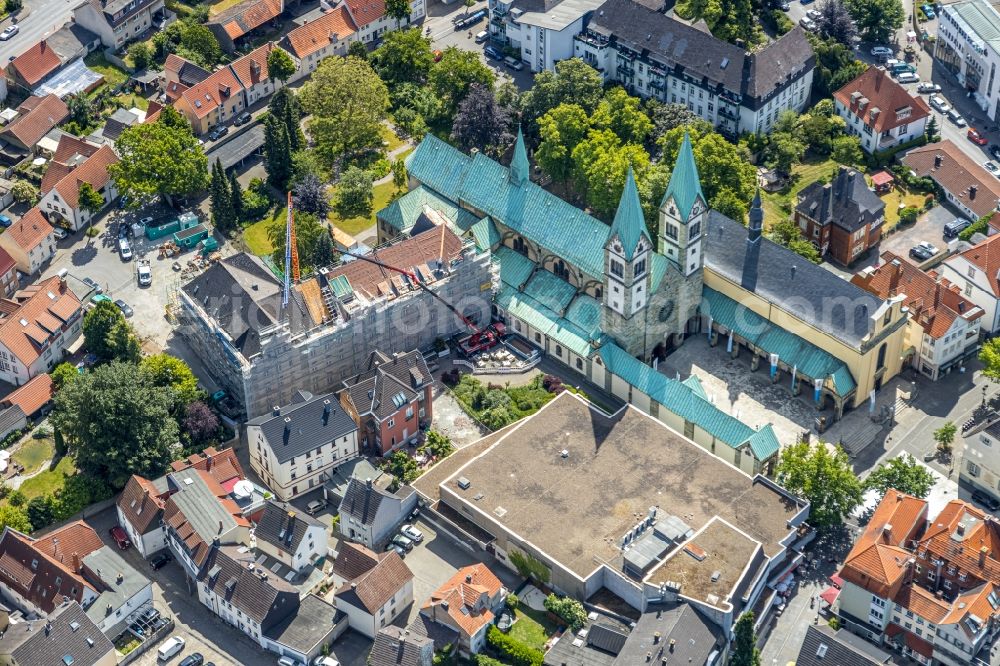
pixel 829 595
pixel 837 581
pixel 76 346
pixel 882 178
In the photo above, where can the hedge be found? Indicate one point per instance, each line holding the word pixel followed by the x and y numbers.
pixel 513 651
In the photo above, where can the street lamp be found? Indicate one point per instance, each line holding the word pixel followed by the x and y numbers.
pixel 984 395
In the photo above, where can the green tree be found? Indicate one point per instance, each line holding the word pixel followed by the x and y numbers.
pixel 141 54
pixel 404 56
pixel 308 230
pixel 745 652
pixel 622 114
pixel 403 467
pixel 904 474
pixel 24 192
pixel 399 10
pixel 399 175
pixel 666 117
pixel 822 477
pixel 451 76
pixel 108 336
pixel 168 371
pixel 562 129
pixel 354 196
pixel 157 159
pixel 818 128
pixel 236 198
pixel 847 150
pixel 784 149
pixel 287 108
pixel 787 233
pixel 358 50
pixel 81 111
pixel 482 123
pixel 737 22
pixel 729 203
pixel 221 201
pixel 280 65
pixel 63 373
pixel 878 20
pixel 721 165
pixel 568 609
pixel 41 512
pixel 348 103
pixel 324 253
pixel 989 356
pixel 90 200
pixel 117 423
pixel 572 82
pixel 14 518
pixel 945 438
pixel 600 163
pixel 931 129
pixel 835 66
pixel 200 45
pixel 277 153
pixel 171 117
pixel 438 445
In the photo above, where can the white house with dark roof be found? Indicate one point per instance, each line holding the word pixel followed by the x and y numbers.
pixel 377 593
pixel 296 447
pixel 118 21
pixel 67 636
pixel 292 537
pixel 369 514
pixel 396 646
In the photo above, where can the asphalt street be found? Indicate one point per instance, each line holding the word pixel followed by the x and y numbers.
pixel 43 18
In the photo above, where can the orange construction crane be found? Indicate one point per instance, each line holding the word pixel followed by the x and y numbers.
pixel 291 241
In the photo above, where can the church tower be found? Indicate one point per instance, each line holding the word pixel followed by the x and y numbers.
pixel 627 273
pixel 682 213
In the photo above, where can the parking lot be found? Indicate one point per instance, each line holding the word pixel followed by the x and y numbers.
pixel 929 227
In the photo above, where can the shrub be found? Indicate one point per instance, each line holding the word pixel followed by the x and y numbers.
pixel 512 650
pixel 380 168
pixel 980 226
pixel 569 610
pixel 512 601
pixel 16 498
pixel 483 660
pixel 908 215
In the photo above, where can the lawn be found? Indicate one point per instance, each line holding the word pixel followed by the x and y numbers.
pixel 113 75
pixel 50 480
pixel 892 201
pixel 406 153
pixel 129 100
pixel 255 236
pixel 532 628
pixel 392 142
pixel 33 453
pixel 779 205
pixel 355 225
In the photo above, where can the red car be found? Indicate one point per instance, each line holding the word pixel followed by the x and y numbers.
pixel 976 138
pixel 118 534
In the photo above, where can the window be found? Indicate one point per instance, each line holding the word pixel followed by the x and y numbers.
pixel 973 468
pixel 617 269
pixel 558 350
pixel 881 357
pixel 972 272
pixel 694 231
pixel 392 423
pixel 947 584
pixel 640 268
pixel 579 364
pixel 672 231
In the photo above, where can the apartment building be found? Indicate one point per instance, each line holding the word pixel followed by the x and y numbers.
pixel 543 32
pixel 880 112
pixel 37 327
pixel 117 22
pixel 330 34
pixel 968 46
pixel 980 465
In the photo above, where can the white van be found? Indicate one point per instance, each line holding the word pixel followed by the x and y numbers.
pixel 170 647
pixel 482 36
pixel 288 661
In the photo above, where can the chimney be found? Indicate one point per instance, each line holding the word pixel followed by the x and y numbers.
pixel 120 577
pixel 254 68
pixel 468 578
pixel 937 161
pixel 76 562
pixel 220 527
pixel 792 271
pixel 896 271
pixel 972 192
pixel 368 482
pixel 334 37
pixel 326 411
pixel 982 556
pixel 887 531
pixel 277 410
pixel 751 256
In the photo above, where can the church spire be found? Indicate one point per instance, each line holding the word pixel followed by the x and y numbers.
pixel 685 184
pixel 519 164
pixel 629 223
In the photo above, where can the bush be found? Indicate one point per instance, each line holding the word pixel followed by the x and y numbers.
pixel 16 498
pixel 777 20
pixel 13 5
pixel 380 168
pixel 569 610
pixel 483 660
pixel 512 601
pixel 980 226
pixel 908 215
pixel 513 651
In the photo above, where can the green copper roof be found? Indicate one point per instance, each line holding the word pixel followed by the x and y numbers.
pixel 403 213
pixel 515 268
pixel 519 163
pixel 693 383
pixel 629 224
pixel 341 286
pixel 486 234
pixel 554 292
pixel 535 314
pixel 685 185
pixel 539 216
pixel 585 313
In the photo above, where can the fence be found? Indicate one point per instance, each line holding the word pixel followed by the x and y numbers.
pixel 149 642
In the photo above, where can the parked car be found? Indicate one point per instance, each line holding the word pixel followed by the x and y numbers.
pixel 938 104
pixel 120 537
pixel 513 63
pixel 927 87
pixel 928 12
pixel 955 227
pixel 124 249
pixel 412 533
pixel 908 77
pixel 923 251
pixel 403 541
pixel 807 23
pixel 124 307
pixel 956 118
pixel 482 36
pixel 982 499
pixel 288 661
pixel 5 221
pixel 995 151
pixel 492 53
pixel 325 661
pixel 60 233
pixel 242 119
pixel 93 285
pixel 813 14
pixel 399 549
pixel 9 32
pixel 160 559
pixel 218 132
pixel 992 167
pixel 315 507
pixel 881 51
pixel 170 647
pixel 975 137
pixel 195 659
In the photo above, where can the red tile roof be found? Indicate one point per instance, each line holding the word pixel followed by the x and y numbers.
pixel 366 11
pixel 986 257
pixel 29 128
pixel 934 302
pixel 7 263
pixel 316 35
pixel 212 92
pixel 40 313
pixel 36 63
pixel 30 230
pixel 33 395
pixel 923 603
pixel 221 465
pixel 247 16
pixel 142 504
pixel 880 102
pixel 464 593
pixel 94 171
pixel 958 173
pixel 979 554
pixel 251 69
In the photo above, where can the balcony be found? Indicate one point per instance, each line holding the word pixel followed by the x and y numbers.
pixel 728 112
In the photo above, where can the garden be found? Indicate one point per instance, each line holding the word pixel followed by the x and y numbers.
pixel 497 406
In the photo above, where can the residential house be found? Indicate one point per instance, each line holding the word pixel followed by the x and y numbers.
pixel 33 398
pixel 390 400
pixel 231 26
pixel 597 643
pixel 216 100
pixel 8 274
pixel 372 21
pixel 968 46
pixel 976 271
pixel 36 117
pixel 980 464
pixel 843 218
pixel 32 67
pixel 824 645
pixel 376 594
pixel 62 182
pixel 37 328
pixel 655 55
pixel 369 514
pixel 543 32
pixel 181 70
pixel 943 328
pixel 880 112
pixel 966 184
pixel 251 71
pixel 296 447
pixel 294 538
pixel 117 22
pixel 59 52
pixel 141 503
pixel 396 646
pixel 31 241
pixel 467 603
pixel 328 35
pixel 122 592
pixel 66 636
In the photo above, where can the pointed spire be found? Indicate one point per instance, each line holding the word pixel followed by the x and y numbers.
pixel 629 224
pixel 519 164
pixel 685 184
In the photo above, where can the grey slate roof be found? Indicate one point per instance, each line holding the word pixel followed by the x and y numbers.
pixel 374 390
pixel 262 596
pixel 107 565
pixel 199 505
pixel 846 202
pixel 604 641
pixel 305 424
pixel 70 634
pixel 11 419
pixel 284 526
pixel 695 635
pixel 816 295
pixel 395 646
pixel 442 635
pixel 361 501
pixel 244 297
pixel 306 628
pixel 842 648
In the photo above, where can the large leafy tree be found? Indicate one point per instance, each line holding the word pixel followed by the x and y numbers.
pixel 354 195
pixel 405 56
pixel 835 66
pixel 904 474
pixel 877 20
pixel 451 77
pixel 307 230
pixel 561 129
pixel 622 114
pixel 945 437
pixel 200 45
pixel 666 117
pixel 348 102
pixel 199 423
pixel 835 22
pixel 785 149
pixel 572 82
pixel 600 163
pixel 786 232
pixel 847 150
pixel 89 199
pixel 15 518
pixel 117 423
pixel 399 10
pixel 989 356
pixel 820 126
pixel 824 478
pixel 745 652
pixel 157 159
pixel 310 196
pixel 171 372
pixel 737 22
pixel 481 122
pixel 280 65
pixel 108 336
